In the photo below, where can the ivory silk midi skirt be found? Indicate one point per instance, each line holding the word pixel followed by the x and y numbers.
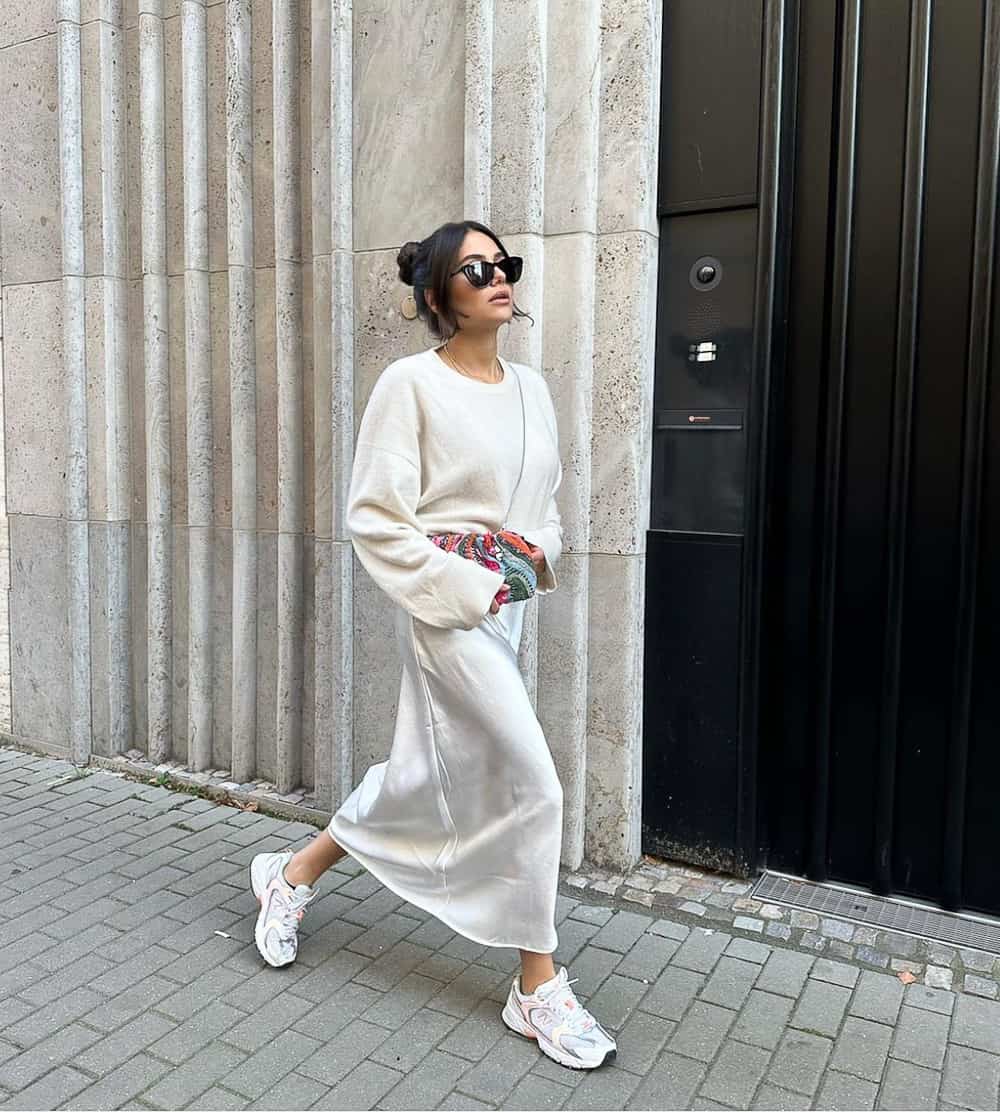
pixel 464 819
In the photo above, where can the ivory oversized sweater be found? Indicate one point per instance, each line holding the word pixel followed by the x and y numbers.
pixel 440 452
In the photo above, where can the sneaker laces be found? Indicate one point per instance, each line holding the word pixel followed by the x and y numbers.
pixel 292 909
pixel 563 998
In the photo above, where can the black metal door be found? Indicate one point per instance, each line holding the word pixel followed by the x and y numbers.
pixel 879 752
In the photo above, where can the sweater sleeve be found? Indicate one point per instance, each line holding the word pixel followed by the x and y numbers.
pixel 439 588
pixel 549 537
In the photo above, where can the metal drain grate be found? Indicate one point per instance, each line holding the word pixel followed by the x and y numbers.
pixel 877 911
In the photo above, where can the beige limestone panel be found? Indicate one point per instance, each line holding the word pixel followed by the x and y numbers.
pixel 39 630
pixel 381 332
pixel 568 362
pixel 30 207
pixel 561 705
pixel 267 656
pixel 377 672
pixel 215 94
pixel 318 168
pixel 518 134
pixel 133 181
pixel 179 642
pixel 222 649
pixel 522 339
pixel 35 399
pixel 309 663
pixel 572 116
pixel 625 318
pixel 137 399
pixel 22 22
pixel 267 400
pixel 100 717
pixel 409 119
pixel 140 628
pixel 93 207
pixel 321 413
pixel 614 711
pixel 173 141
pixel 263 136
pixel 629 115
pixel 178 400
pixel 309 415
pixel 305 125
pixel 111 11
pixel 218 284
pixel 317 769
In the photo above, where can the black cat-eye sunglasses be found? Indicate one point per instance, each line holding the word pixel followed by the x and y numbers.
pixel 480 271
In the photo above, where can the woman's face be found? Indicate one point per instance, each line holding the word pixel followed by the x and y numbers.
pixel 486 308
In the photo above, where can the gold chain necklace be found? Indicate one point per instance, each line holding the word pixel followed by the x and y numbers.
pixel 467 374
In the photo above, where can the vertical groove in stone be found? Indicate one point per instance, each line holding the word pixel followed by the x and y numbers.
pixel 243 382
pixel 117 412
pixel 479 16
pixel 74 360
pixel 288 322
pixel 198 362
pixel 152 157
pixel 337 778
pixel 6 723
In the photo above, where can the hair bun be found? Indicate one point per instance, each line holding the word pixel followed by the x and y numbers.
pixel 406 260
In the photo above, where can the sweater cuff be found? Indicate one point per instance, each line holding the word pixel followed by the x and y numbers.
pixel 465 588
pixel 548 540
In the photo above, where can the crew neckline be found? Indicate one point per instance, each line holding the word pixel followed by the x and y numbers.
pixel 473 383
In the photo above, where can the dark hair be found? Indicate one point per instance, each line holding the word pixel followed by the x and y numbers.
pixel 427 264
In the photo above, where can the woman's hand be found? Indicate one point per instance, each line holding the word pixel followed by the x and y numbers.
pixel 537 557
pixel 500 598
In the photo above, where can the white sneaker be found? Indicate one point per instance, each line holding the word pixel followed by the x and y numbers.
pixel 281 908
pixel 563 1027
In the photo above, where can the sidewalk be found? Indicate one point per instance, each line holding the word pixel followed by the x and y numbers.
pixel 129 979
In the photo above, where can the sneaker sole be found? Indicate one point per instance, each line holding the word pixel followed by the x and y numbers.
pixel 257 885
pixel 516 1023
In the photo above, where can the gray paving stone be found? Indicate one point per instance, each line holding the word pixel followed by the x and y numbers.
pixel 621 931
pixel 878 997
pixel 123 1084
pixel 842 1091
pixel 906 1086
pixel 862 1048
pixel 477 1034
pixel 872 957
pixel 648 957
pixel 428 1084
pixel 980 986
pixel 198 1073
pixel 730 983
pixel 408 1046
pixel 671 1083
pixel 834 972
pixel 607 1087
pixel 530 1093
pixel 773 1097
pixel 263 1069
pixel 748 950
pixel 392 1009
pixel 50 1091
pixel 465 991
pixel 701 950
pixel 930 999
pixel 363 1087
pixel 320 983
pixel 43 1021
pixel 615 1000
pixel 181 1004
pixel 127 1005
pixel 763 1019
pixel 785 972
pixel 920 1037
pixel 591 967
pixel 666 928
pixel 821 1008
pixel 495 1076
pixel 735 1074
pixel 336 1057
pixel 123 1043
pixel 673 992
pixel 971 1078
pixel 799 1061
pixel 641 1040
pixel 458 1102
pixel 323 1021
pixel 702 1032
pixel 21 1070
pixel 187 1038
pixel 587 913
pixel 977 1024
pixel 293 1091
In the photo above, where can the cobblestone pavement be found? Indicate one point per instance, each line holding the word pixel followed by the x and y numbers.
pixel 129 979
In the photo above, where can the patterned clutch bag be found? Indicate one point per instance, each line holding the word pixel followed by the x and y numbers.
pixel 505 551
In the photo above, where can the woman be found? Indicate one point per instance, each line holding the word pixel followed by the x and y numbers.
pixel 464 820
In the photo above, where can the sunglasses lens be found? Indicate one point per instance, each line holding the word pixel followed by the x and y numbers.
pixel 511 266
pixel 479 273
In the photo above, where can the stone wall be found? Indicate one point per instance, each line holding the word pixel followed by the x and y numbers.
pixel 200 208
